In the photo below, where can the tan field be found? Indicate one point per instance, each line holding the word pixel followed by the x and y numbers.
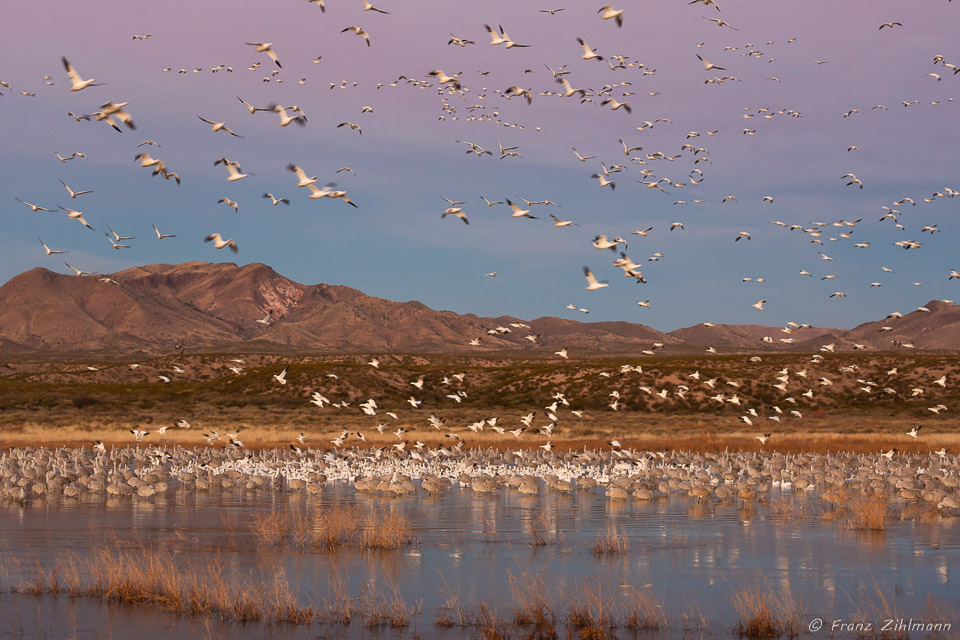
pixel 859 402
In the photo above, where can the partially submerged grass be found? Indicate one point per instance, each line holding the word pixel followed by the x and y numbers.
pixel 613 543
pixel 532 605
pixel 335 526
pixel 388 610
pixel 329 529
pixel 270 527
pixel 869 513
pixel 539 530
pixel 766 612
pixel 642 610
pixel 160 578
pixel 153 577
pixel 391 531
pixel 591 614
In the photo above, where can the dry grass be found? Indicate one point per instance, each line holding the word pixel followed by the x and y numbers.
pixel 539 530
pixel 452 612
pixel 642 610
pixel 388 610
pixel 159 578
pixel 328 529
pixel 591 614
pixel 613 543
pixel 335 526
pixel 532 605
pixel 270 528
pixel 882 605
pixel 391 531
pixel 339 607
pixel 766 612
pixel 868 513
pixel 153 578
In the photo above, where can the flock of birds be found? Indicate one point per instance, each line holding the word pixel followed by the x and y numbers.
pixel 399 425
pixel 656 170
pixel 98 474
pixel 668 171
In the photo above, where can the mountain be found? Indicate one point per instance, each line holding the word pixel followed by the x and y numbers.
pixel 216 307
pixel 749 336
pixel 200 305
pixel 936 328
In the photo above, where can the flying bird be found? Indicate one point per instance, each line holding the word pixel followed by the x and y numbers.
pixel 276 201
pixel 78 216
pixel 80 272
pixel 709 65
pixel 73 194
pixel 33 207
pixel 220 243
pixel 50 251
pixel 611 13
pixel 359 31
pixel 219 126
pixel 161 236
pixel 458 212
pixel 76 82
pixel 267 48
pixel 592 283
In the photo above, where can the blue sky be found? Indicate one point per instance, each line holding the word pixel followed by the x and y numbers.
pixel 395 245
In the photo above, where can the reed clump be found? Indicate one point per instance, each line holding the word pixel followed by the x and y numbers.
pixel 613 543
pixel 642 610
pixel 336 526
pixel 340 606
pixel 490 626
pixel 388 610
pixel 591 614
pixel 540 535
pixel 152 577
pixel 765 612
pixel 868 513
pixel 270 528
pixel 532 605
pixel 391 531
pixel 331 529
pixel 452 612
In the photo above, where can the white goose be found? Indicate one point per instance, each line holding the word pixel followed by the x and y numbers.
pixel 592 283
pixel 76 82
pixel 50 251
pixel 220 243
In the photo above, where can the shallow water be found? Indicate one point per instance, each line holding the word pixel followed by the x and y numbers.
pixel 693 555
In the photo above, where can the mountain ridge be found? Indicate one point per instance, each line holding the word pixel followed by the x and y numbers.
pixel 210 306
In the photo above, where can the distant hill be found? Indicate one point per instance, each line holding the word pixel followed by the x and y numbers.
pixel 208 307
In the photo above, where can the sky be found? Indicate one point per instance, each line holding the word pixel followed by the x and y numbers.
pixel 783 125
